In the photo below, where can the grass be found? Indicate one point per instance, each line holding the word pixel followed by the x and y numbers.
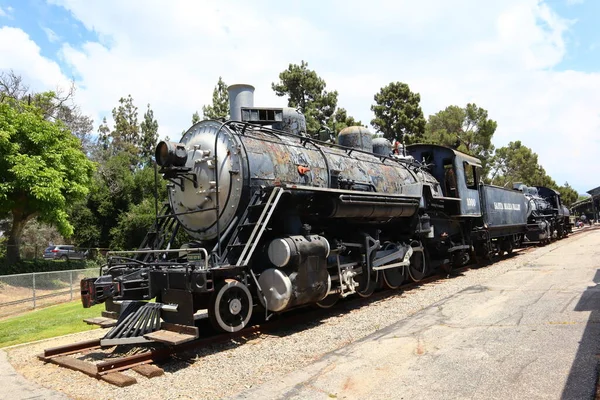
pixel 46 323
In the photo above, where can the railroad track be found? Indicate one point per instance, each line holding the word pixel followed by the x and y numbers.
pixel 110 368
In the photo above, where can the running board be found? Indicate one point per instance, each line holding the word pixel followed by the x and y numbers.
pixel 174 334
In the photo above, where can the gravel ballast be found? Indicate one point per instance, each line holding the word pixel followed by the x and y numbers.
pixel 226 369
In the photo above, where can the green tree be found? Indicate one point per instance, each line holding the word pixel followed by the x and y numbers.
pixel 342 120
pixel 137 140
pixel 467 129
pixel 195 118
pixel 57 107
pixel 513 163
pixel 220 103
pixel 126 133
pixel 117 187
pixel 306 91
pixel 149 129
pixel 125 176
pixel 517 163
pixel 398 114
pixel 541 178
pixel 44 169
pixel 85 222
pixel 568 195
pixel 103 135
pixel 132 225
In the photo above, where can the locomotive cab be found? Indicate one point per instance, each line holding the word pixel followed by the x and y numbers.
pixel 458 173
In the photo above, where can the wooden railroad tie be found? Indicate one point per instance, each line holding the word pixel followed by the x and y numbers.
pixel 115 378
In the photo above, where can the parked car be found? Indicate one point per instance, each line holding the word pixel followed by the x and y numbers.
pixel 64 252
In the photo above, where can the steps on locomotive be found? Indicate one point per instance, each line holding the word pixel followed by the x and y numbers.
pixel 252 224
pixel 140 322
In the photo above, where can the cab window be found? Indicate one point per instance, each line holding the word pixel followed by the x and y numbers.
pixel 470 175
pixel 449 179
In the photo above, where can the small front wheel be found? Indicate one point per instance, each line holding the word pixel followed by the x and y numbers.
pixel 230 306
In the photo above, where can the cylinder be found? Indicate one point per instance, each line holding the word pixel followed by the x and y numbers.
pixel 240 95
pixel 300 276
pixel 294 250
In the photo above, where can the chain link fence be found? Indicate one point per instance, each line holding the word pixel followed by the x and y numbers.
pixel 24 292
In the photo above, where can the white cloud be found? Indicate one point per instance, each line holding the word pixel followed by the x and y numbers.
pixel 50 34
pixel 500 56
pixel 6 12
pixel 22 55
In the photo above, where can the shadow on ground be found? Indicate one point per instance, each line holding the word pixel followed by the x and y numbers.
pixel 583 376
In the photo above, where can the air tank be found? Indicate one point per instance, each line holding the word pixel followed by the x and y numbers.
pixel 382 146
pixel 356 137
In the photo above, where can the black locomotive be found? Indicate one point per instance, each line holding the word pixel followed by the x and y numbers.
pixel 280 220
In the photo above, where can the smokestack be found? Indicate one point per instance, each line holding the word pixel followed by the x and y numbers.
pixel 240 95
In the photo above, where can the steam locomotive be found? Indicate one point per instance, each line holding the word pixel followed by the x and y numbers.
pixel 279 220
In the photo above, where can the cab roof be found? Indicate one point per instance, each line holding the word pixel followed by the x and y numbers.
pixel 470 159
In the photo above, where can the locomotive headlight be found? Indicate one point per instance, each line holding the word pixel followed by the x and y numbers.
pixel 169 154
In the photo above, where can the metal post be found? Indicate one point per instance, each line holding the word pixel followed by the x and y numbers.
pixel 71 280
pixel 33 289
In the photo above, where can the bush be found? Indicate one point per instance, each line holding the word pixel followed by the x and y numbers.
pixel 28 266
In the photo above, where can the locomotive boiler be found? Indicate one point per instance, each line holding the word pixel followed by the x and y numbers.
pixel 277 220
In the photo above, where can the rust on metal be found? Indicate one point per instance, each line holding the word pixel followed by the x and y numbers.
pixel 303 170
pixel 70 348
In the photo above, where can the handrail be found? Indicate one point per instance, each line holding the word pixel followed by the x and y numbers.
pixel 187 249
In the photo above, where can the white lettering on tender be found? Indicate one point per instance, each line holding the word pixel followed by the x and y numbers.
pixel 471 202
pixel 507 206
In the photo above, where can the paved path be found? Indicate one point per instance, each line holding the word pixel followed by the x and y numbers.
pixel 14 386
pixel 531 333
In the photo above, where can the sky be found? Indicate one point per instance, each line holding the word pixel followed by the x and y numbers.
pixel 533 64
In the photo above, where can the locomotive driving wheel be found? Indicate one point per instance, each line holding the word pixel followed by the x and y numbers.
pixel 418 267
pixel 367 282
pixel 230 306
pixel 393 277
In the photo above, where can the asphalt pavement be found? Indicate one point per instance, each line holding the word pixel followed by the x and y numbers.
pixel 531 333
pixel 15 387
